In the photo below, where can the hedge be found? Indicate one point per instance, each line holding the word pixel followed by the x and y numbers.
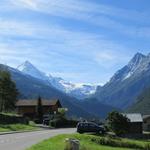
pixel 59 123
pixel 7 119
pixel 120 143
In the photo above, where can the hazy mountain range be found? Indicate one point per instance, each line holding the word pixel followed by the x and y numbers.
pixel 121 92
pixel 79 91
pixel 31 87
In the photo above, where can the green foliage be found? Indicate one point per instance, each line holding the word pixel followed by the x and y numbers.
pixel 62 122
pixel 32 123
pixel 86 143
pixel 84 148
pixel 12 119
pixel 116 143
pixel 16 127
pixel 147 146
pixel 68 147
pixel 62 112
pixel 40 109
pixel 118 123
pixel 8 92
pixel 120 142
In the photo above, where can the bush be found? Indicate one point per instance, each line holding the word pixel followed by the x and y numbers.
pixel 118 123
pixel 12 119
pixel 62 122
pixel 84 148
pixel 147 147
pixel 116 143
pixel 37 121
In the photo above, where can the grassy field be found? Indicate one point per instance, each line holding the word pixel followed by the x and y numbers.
pixel 17 127
pixel 86 142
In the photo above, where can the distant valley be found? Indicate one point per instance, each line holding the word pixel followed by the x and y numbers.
pixel 122 92
pixel 31 87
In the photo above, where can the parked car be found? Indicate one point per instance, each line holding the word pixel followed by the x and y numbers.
pixel 83 127
pixel 46 121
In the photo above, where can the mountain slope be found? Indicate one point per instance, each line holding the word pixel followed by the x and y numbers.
pixel 98 108
pixel 143 103
pixel 79 91
pixel 28 68
pixel 30 87
pixel 124 87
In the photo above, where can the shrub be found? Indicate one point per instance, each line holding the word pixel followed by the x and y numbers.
pixel 147 147
pixel 84 148
pixel 62 122
pixel 116 143
pixel 57 123
pixel 118 123
pixel 8 119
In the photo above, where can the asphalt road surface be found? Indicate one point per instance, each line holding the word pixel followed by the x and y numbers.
pixel 22 141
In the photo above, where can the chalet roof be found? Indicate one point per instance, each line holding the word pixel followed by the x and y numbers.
pixel 134 117
pixel 35 102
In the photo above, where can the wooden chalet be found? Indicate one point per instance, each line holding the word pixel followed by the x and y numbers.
pixel 136 123
pixel 146 123
pixel 29 107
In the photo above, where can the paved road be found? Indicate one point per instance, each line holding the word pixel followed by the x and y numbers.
pixel 21 141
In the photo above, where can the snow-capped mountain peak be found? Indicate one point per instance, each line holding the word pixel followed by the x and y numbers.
pixel 29 69
pixel 136 60
pixel 26 65
pixel 136 65
pixel 77 90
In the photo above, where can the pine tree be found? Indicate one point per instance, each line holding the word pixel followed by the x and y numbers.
pixel 8 92
pixel 40 109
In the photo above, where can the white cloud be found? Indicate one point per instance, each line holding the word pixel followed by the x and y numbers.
pixel 14 27
pixel 25 3
pixel 62 48
pixel 89 12
pixel 57 42
pixel 105 56
pixel 73 7
pixel 109 59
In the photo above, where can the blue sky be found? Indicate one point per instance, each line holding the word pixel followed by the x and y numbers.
pixel 83 41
